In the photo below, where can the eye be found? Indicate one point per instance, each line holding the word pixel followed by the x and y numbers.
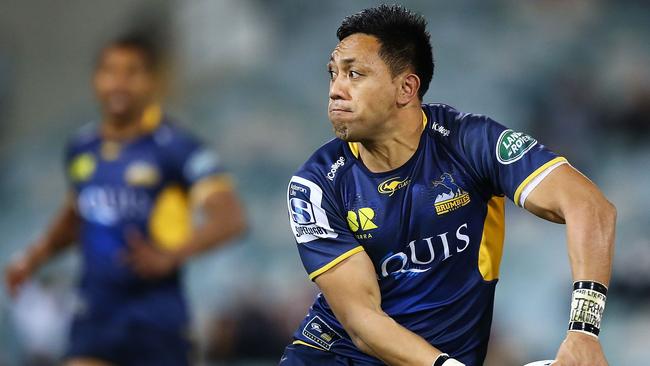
pixel 331 73
pixel 354 74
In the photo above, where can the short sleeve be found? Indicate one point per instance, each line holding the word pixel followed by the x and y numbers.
pixel 512 162
pixel 193 160
pixel 323 238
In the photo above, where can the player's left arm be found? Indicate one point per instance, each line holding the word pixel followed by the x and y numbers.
pixel 222 219
pixel 566 196
pixel 222 216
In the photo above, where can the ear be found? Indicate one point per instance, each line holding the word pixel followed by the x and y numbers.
pixel 408 89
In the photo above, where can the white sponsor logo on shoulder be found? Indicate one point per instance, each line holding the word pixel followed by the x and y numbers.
pixel 440 129
pixel 334 167
pixel 307 217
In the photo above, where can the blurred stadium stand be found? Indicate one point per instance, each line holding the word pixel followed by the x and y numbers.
pixel 249 76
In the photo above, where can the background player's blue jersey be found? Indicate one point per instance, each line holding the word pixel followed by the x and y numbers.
pixel 433 228
pixel 142 185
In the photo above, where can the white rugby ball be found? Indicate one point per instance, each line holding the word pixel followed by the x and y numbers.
pixel 540 363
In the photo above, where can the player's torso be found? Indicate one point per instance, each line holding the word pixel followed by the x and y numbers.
pixel 117 184
pixel 122 187
pixel 421 225
pixel 434 233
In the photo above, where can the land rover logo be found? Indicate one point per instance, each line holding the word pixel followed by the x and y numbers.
pixel 512 145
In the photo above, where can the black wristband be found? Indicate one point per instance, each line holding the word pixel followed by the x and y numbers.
pixel 441 359
pixel 584 327
pixel 590 285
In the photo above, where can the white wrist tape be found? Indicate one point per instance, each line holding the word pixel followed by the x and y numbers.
pixel 587 307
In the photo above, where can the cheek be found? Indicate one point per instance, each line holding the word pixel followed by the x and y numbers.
pixel 377 102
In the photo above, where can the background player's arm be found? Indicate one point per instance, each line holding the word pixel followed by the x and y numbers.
pixel 352 291
pixel 566 196
pixel 222 219
pixel 62 233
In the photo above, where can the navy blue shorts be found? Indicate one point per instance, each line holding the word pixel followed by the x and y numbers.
pixel 299 355
pixel 127 343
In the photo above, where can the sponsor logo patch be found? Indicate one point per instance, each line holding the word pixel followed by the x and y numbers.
pixel 440 129
pixel 320 333
pixel 200 164
pixel 142 173
pixel 301 211
pixel 82 167
pixel 512 145
pixel 391 185
pixel 334 167
pixel 362 220
pixel 308 219
pixel 451 196
pixel 108 205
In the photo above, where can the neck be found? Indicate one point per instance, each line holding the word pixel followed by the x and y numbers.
pixel 397 145
pixel 121 128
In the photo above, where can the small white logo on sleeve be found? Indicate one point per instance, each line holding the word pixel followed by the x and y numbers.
pixel 440 129
pixel 201 163
pixel 334 167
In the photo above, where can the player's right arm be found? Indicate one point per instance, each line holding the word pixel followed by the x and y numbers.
pixel 352 291
pixel 62 233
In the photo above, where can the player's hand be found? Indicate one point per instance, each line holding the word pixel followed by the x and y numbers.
pixel 146 259
pixel 16 273
pixel 580 349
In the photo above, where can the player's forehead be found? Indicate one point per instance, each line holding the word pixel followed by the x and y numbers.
pixel 122 55
pixel 356 48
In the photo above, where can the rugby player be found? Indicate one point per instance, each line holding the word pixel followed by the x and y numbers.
pixel 134 178
pixel 400 219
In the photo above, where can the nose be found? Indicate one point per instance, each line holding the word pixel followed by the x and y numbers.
pixel 338 88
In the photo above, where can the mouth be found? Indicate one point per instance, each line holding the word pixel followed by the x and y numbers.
pixel 335 107
pixel 340 110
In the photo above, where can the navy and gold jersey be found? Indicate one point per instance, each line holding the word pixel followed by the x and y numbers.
pixel 144 185
pixel 433 228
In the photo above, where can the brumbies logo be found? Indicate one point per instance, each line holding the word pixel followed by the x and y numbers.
pixel 389 186
pixel 451 198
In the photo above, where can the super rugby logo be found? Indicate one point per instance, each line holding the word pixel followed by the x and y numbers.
pixel 391 185
pixel 334 167
pixel 452 196
pixel 307 217
pixel 301 211
pixel 511 146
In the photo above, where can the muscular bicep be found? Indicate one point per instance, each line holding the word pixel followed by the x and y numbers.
pixel 351 288
pixel 563 188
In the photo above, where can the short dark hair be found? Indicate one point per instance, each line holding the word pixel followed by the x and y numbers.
pixel 144 45
pixel 402 34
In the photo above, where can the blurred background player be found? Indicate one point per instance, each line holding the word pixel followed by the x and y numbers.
pixel 134 179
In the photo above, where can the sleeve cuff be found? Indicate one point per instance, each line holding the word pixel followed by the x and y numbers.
pixel 536 177
pixel 335 261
